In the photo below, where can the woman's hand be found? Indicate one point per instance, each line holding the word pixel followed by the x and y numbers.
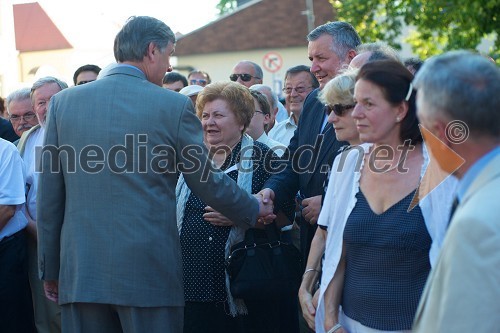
pixel 215 218
pixel 307 306
pixel 315 299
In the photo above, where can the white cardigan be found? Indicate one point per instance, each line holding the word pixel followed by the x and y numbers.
pixel 340 199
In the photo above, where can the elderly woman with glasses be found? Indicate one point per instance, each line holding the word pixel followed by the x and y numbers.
pixel 384 230
pixel 206 236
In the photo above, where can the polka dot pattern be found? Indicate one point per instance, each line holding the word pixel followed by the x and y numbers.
pixel 203 245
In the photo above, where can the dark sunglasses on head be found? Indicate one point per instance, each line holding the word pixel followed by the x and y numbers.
pixel 243 77
pixel 339 109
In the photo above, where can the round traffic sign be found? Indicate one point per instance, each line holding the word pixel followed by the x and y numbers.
pixel 272 62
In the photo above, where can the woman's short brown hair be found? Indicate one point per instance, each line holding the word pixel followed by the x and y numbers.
pixel 237 96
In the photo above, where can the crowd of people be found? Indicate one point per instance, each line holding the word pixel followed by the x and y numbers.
pixel 121 197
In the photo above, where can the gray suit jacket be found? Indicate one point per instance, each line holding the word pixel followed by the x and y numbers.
pixel 462 293
pixel 106 211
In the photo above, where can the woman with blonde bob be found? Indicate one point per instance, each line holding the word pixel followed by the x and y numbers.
pixel 338 95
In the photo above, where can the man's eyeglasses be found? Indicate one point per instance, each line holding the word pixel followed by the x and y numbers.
pixel 298 90
pixel 339 109
pixel 243 77
pixel 200 82
pixel 83 82
pixel 27 117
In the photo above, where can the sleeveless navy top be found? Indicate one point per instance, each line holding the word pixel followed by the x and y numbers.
pixel 387 264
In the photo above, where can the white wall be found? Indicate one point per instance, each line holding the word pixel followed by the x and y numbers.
pixel 219 65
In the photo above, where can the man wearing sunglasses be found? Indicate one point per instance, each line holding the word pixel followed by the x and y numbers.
pixel 247 73
pixel 199 78
pixel 20 111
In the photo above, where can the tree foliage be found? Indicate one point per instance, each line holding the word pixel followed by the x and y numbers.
pixel 435 25
pixel 225 6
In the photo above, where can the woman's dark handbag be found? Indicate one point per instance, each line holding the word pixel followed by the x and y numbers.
pixel 264 269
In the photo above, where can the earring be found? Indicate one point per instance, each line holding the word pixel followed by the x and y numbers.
pixel 397 119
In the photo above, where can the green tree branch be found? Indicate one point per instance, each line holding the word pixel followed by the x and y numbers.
pixel 435 25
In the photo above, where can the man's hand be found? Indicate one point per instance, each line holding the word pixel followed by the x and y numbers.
pixel 267 195
pixel 266 207
pixel 308 309
pixel 215 218
pixel 311 208
pixel 51 288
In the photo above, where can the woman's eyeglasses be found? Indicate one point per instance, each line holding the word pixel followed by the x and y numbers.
pixel 339 109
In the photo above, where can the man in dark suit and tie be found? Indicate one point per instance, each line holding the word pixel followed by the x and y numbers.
pixel 314 146
pixel 109 248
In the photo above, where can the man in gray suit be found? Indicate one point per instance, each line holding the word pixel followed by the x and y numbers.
pixel 109 248
pixel 458 99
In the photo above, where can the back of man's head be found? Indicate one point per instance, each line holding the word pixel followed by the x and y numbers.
pixel 132 42
pixel 462 86
pixel 271 96
pixel 368 52
pixel 383 50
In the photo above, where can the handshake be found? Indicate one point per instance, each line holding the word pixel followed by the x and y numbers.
pixel 266 206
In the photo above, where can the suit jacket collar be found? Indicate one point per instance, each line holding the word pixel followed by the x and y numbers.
pixel 124 69
pixel 490 172
pixel 328 138
pixel 24 137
